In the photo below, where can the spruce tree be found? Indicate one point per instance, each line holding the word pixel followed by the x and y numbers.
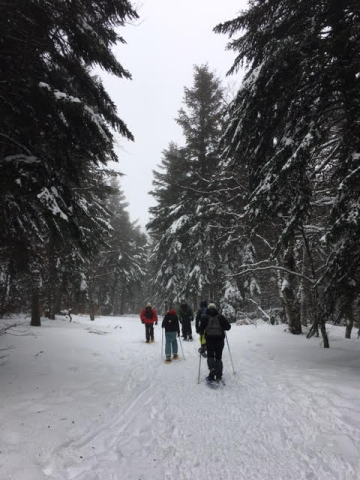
pixel 298 106
pixel 57 122
pixel 184 270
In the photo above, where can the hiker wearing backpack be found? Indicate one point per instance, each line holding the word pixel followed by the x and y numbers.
pixel 148 317
pixel 172 329
pixel 213 326
pixel 186 316
pixel 200 314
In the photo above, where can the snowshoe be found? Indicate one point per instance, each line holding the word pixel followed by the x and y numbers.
pixel 211 382
pixel 167 359
pixel 175 356
pixel 219 380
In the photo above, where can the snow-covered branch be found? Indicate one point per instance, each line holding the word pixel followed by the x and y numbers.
pixel 261 310
pixel 271 267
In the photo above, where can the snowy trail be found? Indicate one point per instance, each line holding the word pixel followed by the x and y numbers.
pixel 283 416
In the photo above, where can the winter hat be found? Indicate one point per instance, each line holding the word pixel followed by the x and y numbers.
pixel 212 305
pixel 148 304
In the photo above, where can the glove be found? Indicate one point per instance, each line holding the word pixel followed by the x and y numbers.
pixel 155 323
pixel 142 321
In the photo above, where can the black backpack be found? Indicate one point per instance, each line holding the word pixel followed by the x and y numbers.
pixel 185 311
pixel 148 312
pixel 213 327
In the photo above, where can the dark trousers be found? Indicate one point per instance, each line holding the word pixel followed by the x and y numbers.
pixel 149 331
pixel 186 328
pixel 214 348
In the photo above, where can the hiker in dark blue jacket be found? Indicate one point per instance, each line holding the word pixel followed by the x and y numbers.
pixel 213 326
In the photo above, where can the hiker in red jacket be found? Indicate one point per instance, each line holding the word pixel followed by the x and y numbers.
pixel 148 316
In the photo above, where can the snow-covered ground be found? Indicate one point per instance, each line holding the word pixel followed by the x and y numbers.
pixel 91 401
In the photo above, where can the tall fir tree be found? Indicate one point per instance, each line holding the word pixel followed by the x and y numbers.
pixel 189 254
pixel 57 123
pixel 298 110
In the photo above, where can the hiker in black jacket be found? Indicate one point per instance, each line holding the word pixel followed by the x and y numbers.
pixel 172 328
pixel 200 314
pixel 213 326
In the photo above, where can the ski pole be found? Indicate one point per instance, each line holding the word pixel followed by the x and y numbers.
pixel 199 368
pixel 227 341
pixel 182 349
pixel 162 343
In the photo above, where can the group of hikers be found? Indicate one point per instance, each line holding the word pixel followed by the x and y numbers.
pixel 209 324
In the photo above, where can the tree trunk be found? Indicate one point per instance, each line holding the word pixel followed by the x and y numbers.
pixel 6 289
pixel 91 300
pixel 324 332
pixel 305 293
pixel 287 290
pixel 348 310
pixel 58 297
pixel 349 327
pixel 35 308
pixel 112 295
pixel 51 277
pixel 122 300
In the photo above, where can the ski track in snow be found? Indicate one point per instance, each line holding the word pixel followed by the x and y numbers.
pixel 272 421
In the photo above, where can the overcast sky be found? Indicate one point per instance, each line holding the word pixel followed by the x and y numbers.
pixel 162 47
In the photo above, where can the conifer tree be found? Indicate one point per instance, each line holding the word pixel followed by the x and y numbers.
pixel 298 110
pixel 57 122
pixel 190 257
pixel 169 254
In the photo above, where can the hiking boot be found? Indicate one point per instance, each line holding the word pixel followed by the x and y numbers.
pixel 190 339
pixel 211 376
pixel 175 356
pixel 168 358
pixel 147 341
pixel 218 378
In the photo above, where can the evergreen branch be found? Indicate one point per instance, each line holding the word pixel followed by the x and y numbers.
pixel 325 162
pixel 16 143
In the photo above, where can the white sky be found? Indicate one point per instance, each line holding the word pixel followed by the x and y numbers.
pixel 169 38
